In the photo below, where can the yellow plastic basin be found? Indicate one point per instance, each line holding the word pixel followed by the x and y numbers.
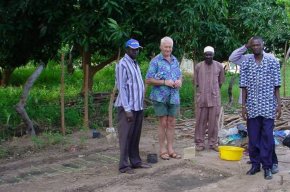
pixel 231 153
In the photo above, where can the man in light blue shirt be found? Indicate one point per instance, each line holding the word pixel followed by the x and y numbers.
pixel 165 76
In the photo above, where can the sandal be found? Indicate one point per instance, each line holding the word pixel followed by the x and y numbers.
pixel 175 155
pixel 164 156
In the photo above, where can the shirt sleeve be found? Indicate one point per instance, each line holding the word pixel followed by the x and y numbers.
pixel 121 85
pixel 179 72
pixel 152 70
pixel 238 56
pixel 196 71
pixel 243 75
pixel 276 73
pixel 222 74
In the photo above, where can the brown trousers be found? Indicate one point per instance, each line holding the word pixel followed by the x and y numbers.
pixel 206 119
pixel 129 138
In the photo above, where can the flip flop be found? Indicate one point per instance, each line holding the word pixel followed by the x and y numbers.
pixel 164 156
pixel 175 155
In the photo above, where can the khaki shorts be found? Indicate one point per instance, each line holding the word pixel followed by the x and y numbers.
pixel 165 109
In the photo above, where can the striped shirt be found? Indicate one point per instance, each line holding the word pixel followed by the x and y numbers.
pixel 130 85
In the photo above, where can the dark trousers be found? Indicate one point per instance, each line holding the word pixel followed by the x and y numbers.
pixel 261 141
pixel 129 138
pixel 274 156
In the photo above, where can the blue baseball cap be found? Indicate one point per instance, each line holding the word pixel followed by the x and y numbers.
pixel 132 43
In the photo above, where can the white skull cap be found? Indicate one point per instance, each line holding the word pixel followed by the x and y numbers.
pixel 208 49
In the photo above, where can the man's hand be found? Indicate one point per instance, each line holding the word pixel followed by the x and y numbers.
pixel 248 45
pixel 129 116
pixel 244 113
pixel 178 83
pixel 169 83
pixel 278 112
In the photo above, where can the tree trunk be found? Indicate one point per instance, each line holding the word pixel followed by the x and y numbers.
pixel 113 96
pixel 5 76
pixel 62 95
pixel 286 56
pixel 86 61
pixel 86 98
pixel 21 104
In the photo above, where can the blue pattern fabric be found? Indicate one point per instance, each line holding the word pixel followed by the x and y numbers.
pixel 161 69
pixel 260 81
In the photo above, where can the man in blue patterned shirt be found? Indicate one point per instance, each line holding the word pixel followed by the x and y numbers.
pixel 237 57
pixel 260 81
pixel 165 76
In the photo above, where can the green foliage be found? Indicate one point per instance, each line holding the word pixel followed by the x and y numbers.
pixel 187 91
pixel 286 4
pixel 271 22
pixel 28 31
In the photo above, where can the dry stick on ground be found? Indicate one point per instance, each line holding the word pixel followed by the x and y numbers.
pixel 113 96
pixel 278 123
pixel 21 104
pixel 234 123
pixel 231 118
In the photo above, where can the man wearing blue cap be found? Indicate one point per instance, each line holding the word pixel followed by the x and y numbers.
pixel 130 108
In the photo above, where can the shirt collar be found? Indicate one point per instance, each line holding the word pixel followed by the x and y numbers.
pixel 130 59
pixel 171 57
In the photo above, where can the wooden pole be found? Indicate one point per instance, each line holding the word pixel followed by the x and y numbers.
pixel 86 99
pixel 62 95
pixel 284 71
pixel 113 96
pixel 284 68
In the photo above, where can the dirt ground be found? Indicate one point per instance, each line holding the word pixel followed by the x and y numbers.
pixel 93 166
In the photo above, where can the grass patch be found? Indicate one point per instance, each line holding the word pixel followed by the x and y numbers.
pixel 48 139
pixel 3 152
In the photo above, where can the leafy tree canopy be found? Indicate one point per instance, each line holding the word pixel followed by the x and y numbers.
pixel 29 30
pixel 32 29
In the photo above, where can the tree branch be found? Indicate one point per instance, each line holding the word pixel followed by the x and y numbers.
pixel 20 107
pixel 100 66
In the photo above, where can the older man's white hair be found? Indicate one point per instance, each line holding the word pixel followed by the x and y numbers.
pixel 166 39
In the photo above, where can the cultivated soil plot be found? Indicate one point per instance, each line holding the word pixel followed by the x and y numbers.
pixel 181 176
pixel 94 167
